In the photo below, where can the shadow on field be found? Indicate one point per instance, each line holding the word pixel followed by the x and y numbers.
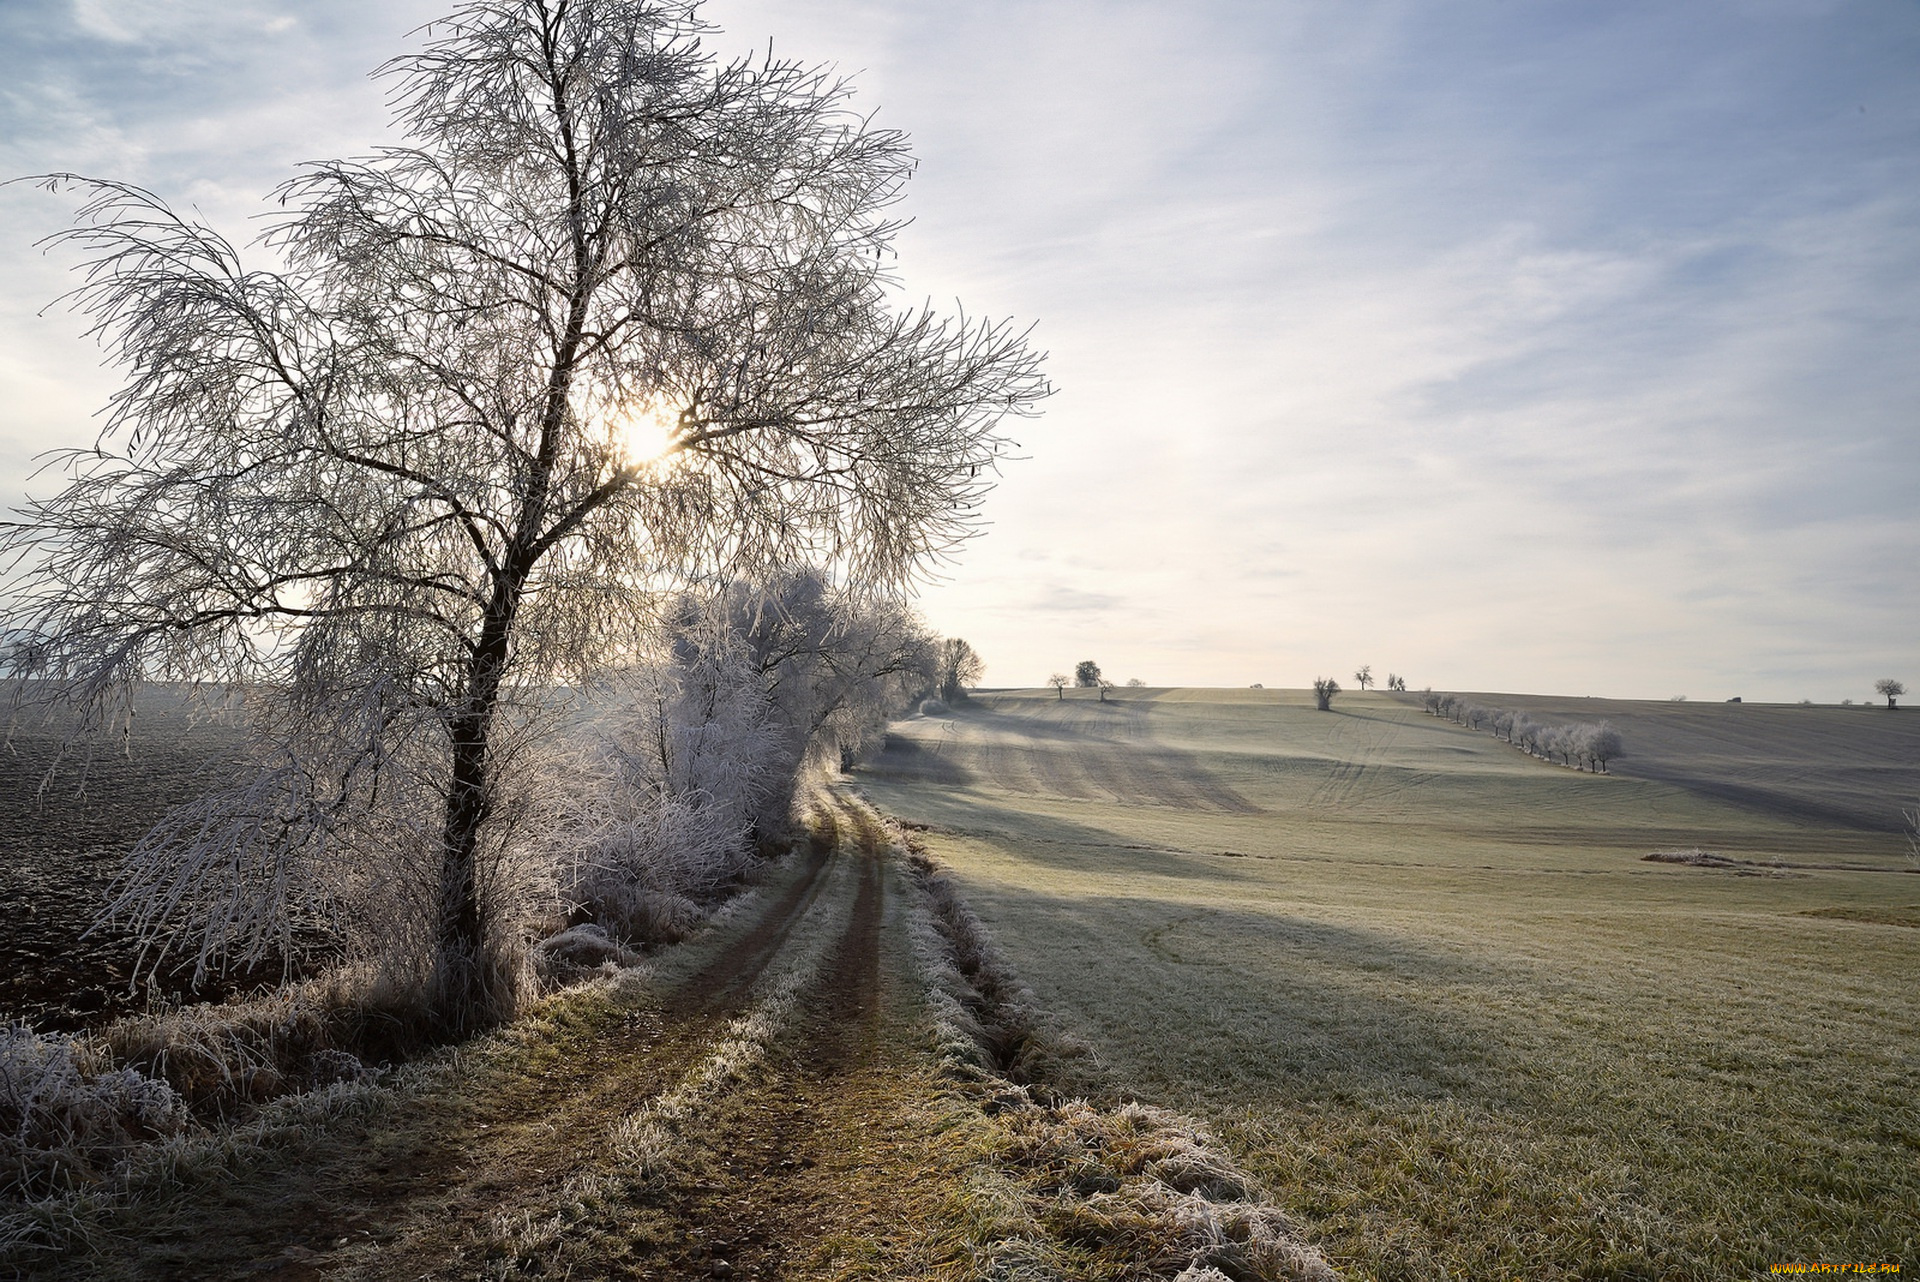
pixel 1239 1001
pixel 907 760
pixel 1060 845
pixel 1079 749
pixel 1774 803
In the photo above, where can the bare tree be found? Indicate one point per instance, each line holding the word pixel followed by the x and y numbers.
pixel 1135 683
pixel 1396 683
pixel 1364 677
pixel 1890 690
pixel 1086 674
pixel 615 315
pixel 1059 681
pixel 1324 688
pixel 960 666
pixel 1104 686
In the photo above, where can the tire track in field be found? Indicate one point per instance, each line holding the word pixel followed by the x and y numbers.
pixel 723 984
pixel 450 1162
pixel 1353 775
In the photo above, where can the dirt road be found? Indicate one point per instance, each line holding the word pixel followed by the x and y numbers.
pixel 508 1163
pixel 786 1097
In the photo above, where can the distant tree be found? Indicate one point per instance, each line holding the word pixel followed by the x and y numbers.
pixel 1324 688
pixel 1257 686
pixel 1603 745
pixel 1524 731
pixel 1364 677
pixel 1430 701
pixel 1104 686
pixel 1890 690
pixel 1059 681
pixel 1135 683
pixel 1396 683
pixel 1086 674
pixel 960 666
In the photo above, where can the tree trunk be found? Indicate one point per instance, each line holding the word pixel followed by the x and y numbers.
pixel 466 993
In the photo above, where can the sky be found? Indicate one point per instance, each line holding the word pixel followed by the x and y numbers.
pixel 1506 346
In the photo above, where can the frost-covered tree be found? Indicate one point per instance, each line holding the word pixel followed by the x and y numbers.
pixel 960 667
pixel 697 754
pixel 1603 744
pixel 1364 676
pixel 610 314
pixel 1086 674
pixel 1890 690
pixel 834 665
pixel 1324 688
pixel 1525 732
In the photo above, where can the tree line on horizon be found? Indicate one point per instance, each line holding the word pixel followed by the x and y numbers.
pixel 1579 745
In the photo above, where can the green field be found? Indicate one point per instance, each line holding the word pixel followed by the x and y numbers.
pixel 1426 985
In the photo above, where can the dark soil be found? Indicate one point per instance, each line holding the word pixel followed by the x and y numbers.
pixel 68 817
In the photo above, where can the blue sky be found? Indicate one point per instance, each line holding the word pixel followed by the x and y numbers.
pixel 1513 346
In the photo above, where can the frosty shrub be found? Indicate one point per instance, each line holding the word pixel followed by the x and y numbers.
pixel 577 952
pixel 696 757
pixel 66 1116
pixel 834 666
pixel 656 807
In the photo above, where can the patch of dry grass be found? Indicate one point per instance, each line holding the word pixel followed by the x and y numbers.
pixel 1064 1187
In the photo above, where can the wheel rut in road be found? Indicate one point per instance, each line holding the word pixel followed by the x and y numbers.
pixel 765 1194
pixel 433 1182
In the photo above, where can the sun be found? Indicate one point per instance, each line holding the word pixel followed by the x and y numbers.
pixel 643 432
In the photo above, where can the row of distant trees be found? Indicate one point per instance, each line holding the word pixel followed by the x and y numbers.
pixel 1364 678
pixel 1324 688
pixel 1580 745
pixel 1087 676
